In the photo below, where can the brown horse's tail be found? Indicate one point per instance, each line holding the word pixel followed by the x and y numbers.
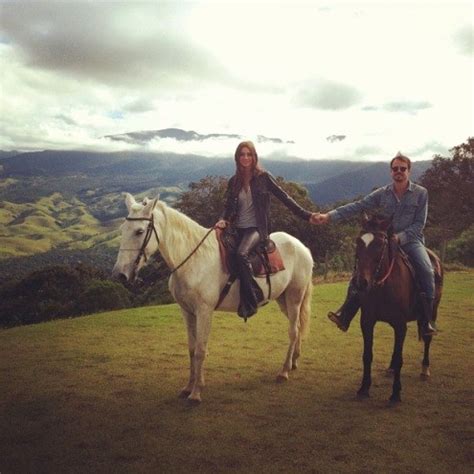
pixel 305 310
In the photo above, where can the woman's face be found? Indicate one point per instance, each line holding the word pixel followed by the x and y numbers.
pixel 245 158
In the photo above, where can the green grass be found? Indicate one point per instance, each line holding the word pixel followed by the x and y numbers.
pixel 99 394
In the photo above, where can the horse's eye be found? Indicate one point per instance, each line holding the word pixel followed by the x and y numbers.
pixel 139 232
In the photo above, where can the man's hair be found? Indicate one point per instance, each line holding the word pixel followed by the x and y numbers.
pixel 403 158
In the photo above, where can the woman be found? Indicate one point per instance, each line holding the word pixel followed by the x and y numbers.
pixel 247 208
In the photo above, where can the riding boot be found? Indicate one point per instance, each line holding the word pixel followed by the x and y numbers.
pixel 427 326
pixel 250 292
pixel 345 314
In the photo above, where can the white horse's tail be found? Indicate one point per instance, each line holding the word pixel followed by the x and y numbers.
pixel 305 310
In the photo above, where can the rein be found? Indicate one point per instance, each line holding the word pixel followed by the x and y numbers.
pixel 150 230
pixel 194 251
pixel 379 265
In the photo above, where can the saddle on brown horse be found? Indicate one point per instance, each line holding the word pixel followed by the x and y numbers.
pixel 435 263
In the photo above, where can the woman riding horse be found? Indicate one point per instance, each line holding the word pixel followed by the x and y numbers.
pixel 247 208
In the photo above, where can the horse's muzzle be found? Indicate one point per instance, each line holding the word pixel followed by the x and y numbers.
pixel 122 278
pixel 362 284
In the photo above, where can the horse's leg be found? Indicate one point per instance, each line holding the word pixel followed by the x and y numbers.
pixel 368 335
pixel 203 328
pixel 391 368
pixel 296 353
pixel 293 303
pixel 400 333
pixel 425 365
pixel 190 320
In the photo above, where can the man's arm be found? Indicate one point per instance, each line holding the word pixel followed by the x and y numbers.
pixel 367 203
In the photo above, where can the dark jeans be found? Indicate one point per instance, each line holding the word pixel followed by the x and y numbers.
pixel 249 238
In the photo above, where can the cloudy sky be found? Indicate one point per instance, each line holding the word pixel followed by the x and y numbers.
pixel 338 80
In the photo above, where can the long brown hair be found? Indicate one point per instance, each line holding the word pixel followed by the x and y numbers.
pixel 239 172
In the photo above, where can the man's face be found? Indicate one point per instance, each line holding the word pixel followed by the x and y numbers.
pixel 400 171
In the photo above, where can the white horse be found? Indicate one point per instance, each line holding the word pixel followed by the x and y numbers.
pixel 196 284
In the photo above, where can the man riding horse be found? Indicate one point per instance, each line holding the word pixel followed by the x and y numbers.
pixel 407 204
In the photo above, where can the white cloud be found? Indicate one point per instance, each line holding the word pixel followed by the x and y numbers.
pixel 386 75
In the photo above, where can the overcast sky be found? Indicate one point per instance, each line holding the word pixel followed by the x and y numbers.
pixel 382 76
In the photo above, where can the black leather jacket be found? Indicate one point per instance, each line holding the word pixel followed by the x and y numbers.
pixel 261 186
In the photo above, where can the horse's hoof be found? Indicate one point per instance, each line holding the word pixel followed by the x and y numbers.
pixel 194 402
pixel 425 373
pixel 294 366
pixel 184 394
pixel 394 401
pixel 281 378
pixel 363 395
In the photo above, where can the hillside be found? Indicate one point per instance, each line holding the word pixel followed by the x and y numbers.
pixel 65 206
pixel 51 222
pixel 87 175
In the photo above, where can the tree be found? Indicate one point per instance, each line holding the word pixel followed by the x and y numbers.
pixel 461 249
pixel 450 184
pixel 101 295
pixel 204 202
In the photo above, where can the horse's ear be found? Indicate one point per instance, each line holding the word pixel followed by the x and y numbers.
pixel 364 220
pixel 150 204
pixel 129 201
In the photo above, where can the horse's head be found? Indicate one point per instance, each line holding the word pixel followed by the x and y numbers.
pixel 372 254
pixel 140 237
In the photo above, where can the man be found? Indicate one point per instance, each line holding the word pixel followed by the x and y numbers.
pixel 407 204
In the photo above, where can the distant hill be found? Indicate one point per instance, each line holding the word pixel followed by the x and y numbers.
pixel 65 206
pixel 29 176
pixel 143 137
pixel 355 182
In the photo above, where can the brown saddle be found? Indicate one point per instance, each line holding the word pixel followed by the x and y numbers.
pixel 265 259
pixel 435 262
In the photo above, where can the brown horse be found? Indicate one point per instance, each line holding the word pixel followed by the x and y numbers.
pixel 388 293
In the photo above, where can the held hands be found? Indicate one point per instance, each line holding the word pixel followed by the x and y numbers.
pixel 318 218
pixel 221 224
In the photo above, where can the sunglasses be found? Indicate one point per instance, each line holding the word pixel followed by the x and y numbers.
pixel 399 168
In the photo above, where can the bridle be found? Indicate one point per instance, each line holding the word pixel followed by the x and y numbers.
pixel 381 281
pixel 150 230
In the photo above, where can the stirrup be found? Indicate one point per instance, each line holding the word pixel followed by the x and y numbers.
pixel 336 319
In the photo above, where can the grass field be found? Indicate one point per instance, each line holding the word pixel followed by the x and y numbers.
pixel 99 394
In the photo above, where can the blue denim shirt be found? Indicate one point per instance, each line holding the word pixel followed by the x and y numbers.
pixel 408 213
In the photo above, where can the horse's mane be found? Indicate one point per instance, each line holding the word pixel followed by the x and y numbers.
pixel 182 234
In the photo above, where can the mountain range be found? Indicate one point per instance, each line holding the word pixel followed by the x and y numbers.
pixel 54 202
pixel 39 174
pixel 143 137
